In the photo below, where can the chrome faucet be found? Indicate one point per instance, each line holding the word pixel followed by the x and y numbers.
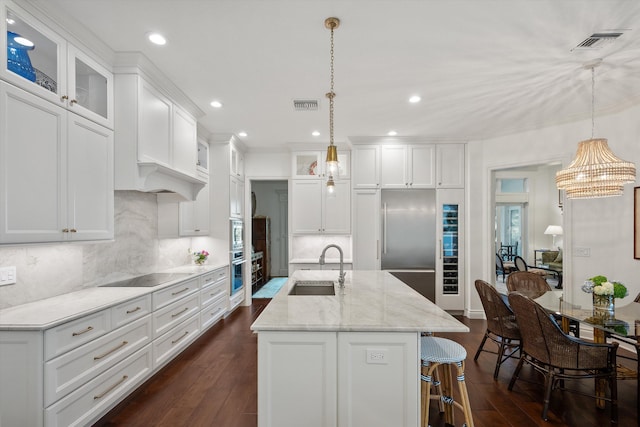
pixel 342 273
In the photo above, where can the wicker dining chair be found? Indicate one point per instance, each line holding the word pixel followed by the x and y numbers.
pixel 533 286
pixel 559 356
pixel 501 325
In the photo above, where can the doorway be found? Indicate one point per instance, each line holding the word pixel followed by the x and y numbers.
pixel 270 200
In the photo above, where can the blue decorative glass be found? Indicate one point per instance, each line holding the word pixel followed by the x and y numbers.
pixel 18 57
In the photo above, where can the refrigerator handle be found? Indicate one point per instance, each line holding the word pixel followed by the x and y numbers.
pixel 384 228
pixel 377 249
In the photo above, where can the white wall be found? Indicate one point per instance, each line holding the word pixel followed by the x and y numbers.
pixel 605 226
pixel 46 270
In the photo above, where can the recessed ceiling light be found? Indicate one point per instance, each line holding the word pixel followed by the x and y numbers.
pixel 315 133
pixel 10 21
pixel 242 134
pixel 392 133
pixel 157 38
pixel 216 104
pixel 414 99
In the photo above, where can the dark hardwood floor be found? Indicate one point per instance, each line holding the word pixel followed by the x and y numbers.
pixel 213 383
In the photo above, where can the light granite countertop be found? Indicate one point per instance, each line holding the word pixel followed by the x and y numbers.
pixel 370 301
pixel 50 312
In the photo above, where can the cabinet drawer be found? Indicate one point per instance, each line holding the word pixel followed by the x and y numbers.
pixel 165 347
pixel 213 312
pixel 130 311
pixel 84 405
pixel 213 277
pixel 65 373
pixel 168 317
pixel 73 334
pixel 173 293
pixel 208 295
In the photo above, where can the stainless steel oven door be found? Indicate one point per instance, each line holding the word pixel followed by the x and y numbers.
pixel 237 264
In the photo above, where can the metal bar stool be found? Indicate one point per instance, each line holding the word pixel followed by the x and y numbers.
pixel 437 351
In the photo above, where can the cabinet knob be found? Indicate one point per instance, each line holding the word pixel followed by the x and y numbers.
pixel 65 230
pixel 73 101
pixel 64 98
pixel 73 230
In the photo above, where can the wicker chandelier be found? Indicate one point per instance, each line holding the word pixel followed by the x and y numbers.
pixel 596 171
pixel 332 151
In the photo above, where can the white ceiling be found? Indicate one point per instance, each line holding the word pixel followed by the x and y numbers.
pixel 483 68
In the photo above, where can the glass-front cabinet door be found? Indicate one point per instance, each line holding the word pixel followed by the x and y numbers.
pixel 33 55
pixel 42 62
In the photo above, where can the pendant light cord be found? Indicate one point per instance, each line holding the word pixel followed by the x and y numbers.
pixel 593 101
pixel 331 94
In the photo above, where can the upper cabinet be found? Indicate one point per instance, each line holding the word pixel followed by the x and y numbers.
pixel 311 165
pixel 202 164
pixel 57 179
pixel 156 143
pixel 366 166
pixel 450 165
pixel 236 162
pixel 407 166
pixel 44 63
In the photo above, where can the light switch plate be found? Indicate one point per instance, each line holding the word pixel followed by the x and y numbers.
pixel 7 276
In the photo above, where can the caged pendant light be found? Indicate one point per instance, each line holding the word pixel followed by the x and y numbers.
pixel 596 171
pixel 332 151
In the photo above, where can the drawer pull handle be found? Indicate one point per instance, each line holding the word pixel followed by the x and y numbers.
pixel 183 335
pixel 103 355
pixel 75 334
pixel 180 312
pixel 104 393
pixel 134 310
pixel 179 292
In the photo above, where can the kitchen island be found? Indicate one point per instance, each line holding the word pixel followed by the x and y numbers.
pixel 349 359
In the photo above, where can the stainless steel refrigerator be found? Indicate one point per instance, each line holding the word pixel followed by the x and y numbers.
pixel 409 237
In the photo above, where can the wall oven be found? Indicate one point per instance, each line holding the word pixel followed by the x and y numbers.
pixel 237 235
pixel 237 263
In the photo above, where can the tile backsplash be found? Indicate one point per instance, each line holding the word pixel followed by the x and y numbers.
pixel 46 270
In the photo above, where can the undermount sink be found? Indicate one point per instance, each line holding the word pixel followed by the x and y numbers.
pixel 313 287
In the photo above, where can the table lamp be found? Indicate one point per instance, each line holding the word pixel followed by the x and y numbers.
pixel 554 230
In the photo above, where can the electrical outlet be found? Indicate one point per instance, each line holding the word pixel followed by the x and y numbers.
pixel 377 356
pixel 582 252
pixel 7 276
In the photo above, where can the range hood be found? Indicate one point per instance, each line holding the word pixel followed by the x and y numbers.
pixel 157 178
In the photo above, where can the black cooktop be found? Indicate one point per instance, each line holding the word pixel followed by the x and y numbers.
pixel 148 280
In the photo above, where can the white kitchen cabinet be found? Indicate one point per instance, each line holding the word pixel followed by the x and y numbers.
pixel 344 380
pixel 156 142
pixel 202 164
pixel 312 165
pixel 450 165
pixel 236 197
pixel 236 162
pixel 407 166
pixel 76 371
pixel 58 180
pixel 366 229
pixel 314 212
pixel 366 166
pixel 60 72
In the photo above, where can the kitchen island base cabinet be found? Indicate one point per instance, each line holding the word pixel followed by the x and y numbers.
pixel 338 379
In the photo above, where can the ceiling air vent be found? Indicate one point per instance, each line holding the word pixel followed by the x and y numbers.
pixel 598 40
pixel 305 104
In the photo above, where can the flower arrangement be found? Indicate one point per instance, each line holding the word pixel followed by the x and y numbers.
pixel 200 257
pixel 600 285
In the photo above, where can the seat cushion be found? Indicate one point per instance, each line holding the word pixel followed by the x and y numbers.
pixel 441 350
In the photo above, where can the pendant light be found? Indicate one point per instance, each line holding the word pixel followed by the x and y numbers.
pixel 332 151
pixel 596 171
